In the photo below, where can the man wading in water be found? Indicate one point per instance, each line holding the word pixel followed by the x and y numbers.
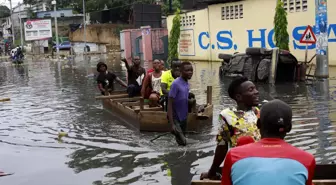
pixel 136 74
pixel 106 79
pixel 235 122
pixel 178 103
pixel 151 87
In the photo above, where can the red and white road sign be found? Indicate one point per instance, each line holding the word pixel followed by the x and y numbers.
pixel 308 36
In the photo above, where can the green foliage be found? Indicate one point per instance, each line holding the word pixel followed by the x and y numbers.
pixel 174 37
pixel 176 4
pixel 280 27
pixel 4 11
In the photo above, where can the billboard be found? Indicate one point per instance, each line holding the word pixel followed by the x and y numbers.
pixel 37 29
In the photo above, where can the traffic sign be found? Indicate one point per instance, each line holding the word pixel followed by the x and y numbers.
pixel 308 36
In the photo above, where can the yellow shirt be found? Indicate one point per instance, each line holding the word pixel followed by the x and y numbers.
pixel 167 78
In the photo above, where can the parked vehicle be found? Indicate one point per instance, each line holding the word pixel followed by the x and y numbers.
pixel 256 64
pixel 63 46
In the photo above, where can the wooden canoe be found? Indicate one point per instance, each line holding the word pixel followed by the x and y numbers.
pixel 153 119
pixel 324 175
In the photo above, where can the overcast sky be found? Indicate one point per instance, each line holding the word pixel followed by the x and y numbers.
pixel 6 2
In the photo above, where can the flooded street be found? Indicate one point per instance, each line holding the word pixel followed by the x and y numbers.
pixel 101 149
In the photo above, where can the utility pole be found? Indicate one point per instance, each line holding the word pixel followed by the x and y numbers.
pixel 84 20
pixel 11 19
pixel 170 6
pixel 21 35
pixel 56 28
pixel 321 31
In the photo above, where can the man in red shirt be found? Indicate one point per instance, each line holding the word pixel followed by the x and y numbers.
pixel 270 160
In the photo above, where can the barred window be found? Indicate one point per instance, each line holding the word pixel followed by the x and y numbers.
pixel 295 5
pixel 232 12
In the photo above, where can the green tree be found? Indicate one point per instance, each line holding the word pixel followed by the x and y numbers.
pixel 176 4
pixel 4 11
pixel 174 36
pixel 280 27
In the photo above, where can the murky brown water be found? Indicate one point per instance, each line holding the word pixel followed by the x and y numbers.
pixel 48 96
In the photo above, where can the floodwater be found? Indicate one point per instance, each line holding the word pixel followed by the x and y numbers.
pixel 49 96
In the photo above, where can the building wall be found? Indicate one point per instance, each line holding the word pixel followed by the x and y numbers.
pixel 254 28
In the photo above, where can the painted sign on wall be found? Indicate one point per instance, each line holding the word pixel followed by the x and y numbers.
pixel 187 43
pixel 37 29
pixel 262 37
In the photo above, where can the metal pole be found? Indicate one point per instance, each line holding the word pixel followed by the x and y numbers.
pixel 11 19
pixel 321 25
pixel 56 29
pixel 84 20
pixel 170 6
pixel 21 35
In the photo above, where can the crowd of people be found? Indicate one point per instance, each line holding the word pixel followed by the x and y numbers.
pixel 250 141
pixel 168 89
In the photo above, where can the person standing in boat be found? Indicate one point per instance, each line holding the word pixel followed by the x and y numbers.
pixel 151 87
pixel 271 159
pixel 135 75
pixel 235 122
pixel 178 103
pixel 167 79
pixel 105 79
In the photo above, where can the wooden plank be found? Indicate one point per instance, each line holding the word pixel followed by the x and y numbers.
pixel 325 172
pixel 137 103
pixel 209 95
pixel 209 182
pixel 112 96
pixel 126 99
pixel 322 172
pixel 142 103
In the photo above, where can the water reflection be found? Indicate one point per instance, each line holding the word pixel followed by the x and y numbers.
pixel 47 96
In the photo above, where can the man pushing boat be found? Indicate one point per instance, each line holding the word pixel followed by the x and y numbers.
pixel 178 103
pixel 235 122
pixel 106 79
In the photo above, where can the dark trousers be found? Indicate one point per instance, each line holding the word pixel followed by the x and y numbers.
pixel 180 131
pixel 133 90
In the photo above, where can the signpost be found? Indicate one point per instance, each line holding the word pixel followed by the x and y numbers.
pixel 321 31
pixel 308 37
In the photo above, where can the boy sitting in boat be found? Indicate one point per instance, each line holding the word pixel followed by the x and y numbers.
pixel 105 79
pixel 178 103
pixel 135 75
pixel 151 87
pixel 270 160
pixel 235 122
pixel 167 79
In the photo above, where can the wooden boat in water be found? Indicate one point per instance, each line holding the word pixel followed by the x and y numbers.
pixel 324 175
pixel 137 112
